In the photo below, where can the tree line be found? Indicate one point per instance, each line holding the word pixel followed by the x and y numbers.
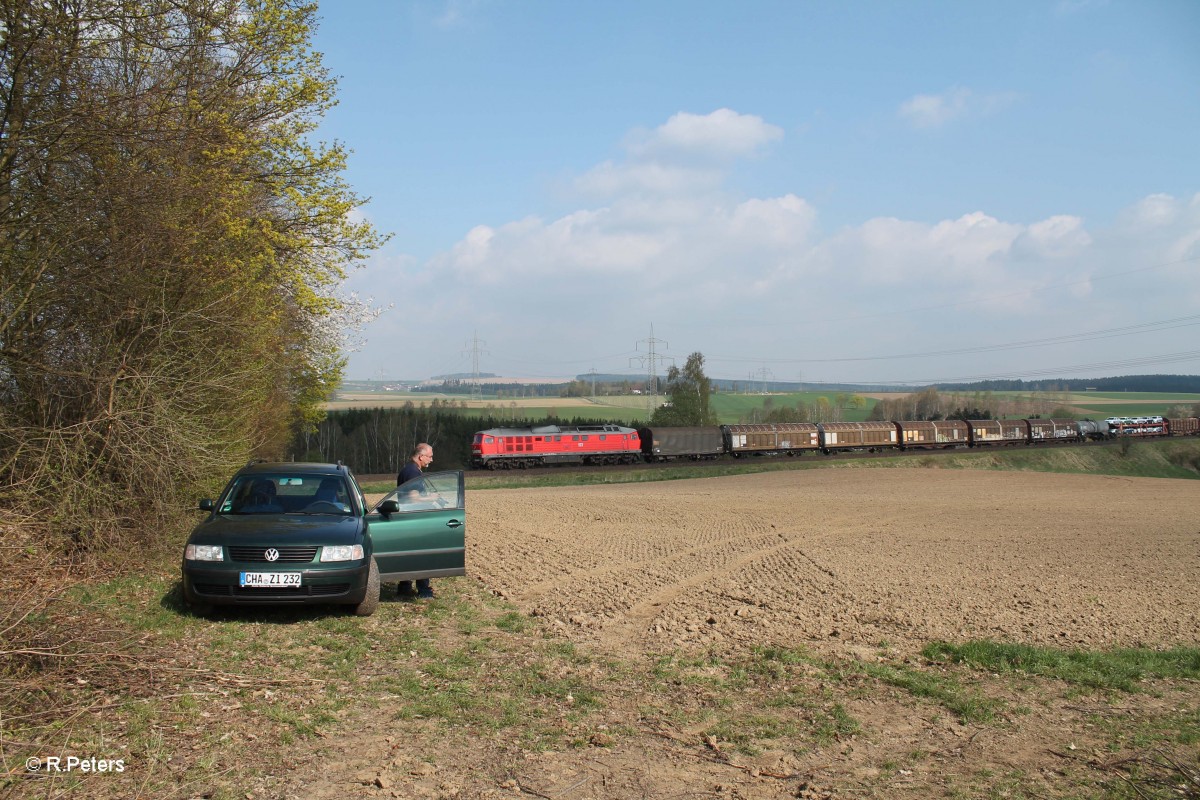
pixel 379 440
pixel 171 243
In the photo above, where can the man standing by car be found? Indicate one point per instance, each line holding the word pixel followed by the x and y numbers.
pixel 422 457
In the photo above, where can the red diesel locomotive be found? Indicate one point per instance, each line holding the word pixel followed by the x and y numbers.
pixel 521 448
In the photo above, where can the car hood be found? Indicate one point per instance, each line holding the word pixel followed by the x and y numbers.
pixel 278 529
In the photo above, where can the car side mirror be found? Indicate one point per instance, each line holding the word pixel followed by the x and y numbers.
pixel 388 507
pixel 206 505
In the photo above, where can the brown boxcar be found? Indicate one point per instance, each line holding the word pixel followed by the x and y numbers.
pixel 778 437
pixel 857 435
pixel 983 432
pixel 931 434
pixel 1057 430
pixel 1185 426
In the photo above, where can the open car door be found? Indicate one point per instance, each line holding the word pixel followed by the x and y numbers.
pixel 419 529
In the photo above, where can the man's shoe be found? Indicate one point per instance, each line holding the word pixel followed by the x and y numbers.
pixel 404 589
pixel 425 593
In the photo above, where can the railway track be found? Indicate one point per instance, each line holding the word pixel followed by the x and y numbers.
pixel 723 461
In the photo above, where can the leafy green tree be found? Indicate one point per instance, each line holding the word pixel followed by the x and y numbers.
pixel 801 413
pixel 171 246
pixel 969 413
pixel 689 390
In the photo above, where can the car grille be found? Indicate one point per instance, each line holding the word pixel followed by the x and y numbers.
pixel 287 555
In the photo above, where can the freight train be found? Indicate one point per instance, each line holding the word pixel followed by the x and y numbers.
pixel 522 448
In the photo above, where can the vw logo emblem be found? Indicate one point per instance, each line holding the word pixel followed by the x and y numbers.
pixel 271 555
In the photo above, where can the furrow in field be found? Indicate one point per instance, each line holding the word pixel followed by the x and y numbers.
pixel 857 557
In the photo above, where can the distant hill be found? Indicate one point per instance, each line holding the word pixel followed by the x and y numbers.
pixel 1183 384
pixel 1180 384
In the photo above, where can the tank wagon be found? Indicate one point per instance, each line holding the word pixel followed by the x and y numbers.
pixel 1092 430
pixel 518 448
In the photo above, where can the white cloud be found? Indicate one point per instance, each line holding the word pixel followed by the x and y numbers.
pixel 1061 236
pixel 609 179
pixel 1155 211
pixel 780 221
pixel 455 13
pixel 937 110
pixel 952 253
pixel 584 243
pixel 688 154
pixel 721 134
pixel 1172 225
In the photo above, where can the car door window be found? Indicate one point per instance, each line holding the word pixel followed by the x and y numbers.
pixel 435 490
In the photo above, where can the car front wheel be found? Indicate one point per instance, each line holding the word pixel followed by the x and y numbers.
pixel 370 600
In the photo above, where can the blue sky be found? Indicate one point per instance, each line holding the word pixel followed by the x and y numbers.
pixel 815 191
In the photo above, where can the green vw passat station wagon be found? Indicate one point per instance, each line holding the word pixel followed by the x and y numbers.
pixel 302 533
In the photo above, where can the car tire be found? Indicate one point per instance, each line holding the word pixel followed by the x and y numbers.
pixel 370 600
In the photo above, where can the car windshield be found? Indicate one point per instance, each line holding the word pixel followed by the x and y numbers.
pixel 284 493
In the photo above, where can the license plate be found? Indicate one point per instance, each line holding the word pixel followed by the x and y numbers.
pixel 270 578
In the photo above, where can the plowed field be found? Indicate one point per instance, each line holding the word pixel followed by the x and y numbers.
pixel 849 558
pixel 860 569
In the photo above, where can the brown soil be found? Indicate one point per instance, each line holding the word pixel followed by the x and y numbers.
pixel 858 557
pixel 848 564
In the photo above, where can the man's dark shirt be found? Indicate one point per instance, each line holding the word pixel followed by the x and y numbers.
pixel 410 471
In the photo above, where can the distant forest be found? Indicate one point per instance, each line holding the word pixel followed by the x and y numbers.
pixel 1189 384
pixel 380 440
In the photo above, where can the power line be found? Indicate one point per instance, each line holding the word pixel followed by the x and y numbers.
pixel 763 374
pixel 1088 336
pixel 476 387
pixel 652 360
pixel 1060 372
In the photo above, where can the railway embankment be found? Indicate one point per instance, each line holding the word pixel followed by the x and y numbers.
pixel 1146 458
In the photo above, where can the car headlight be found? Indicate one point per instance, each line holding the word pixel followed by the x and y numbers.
pixel 342 552
pixel 204 552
